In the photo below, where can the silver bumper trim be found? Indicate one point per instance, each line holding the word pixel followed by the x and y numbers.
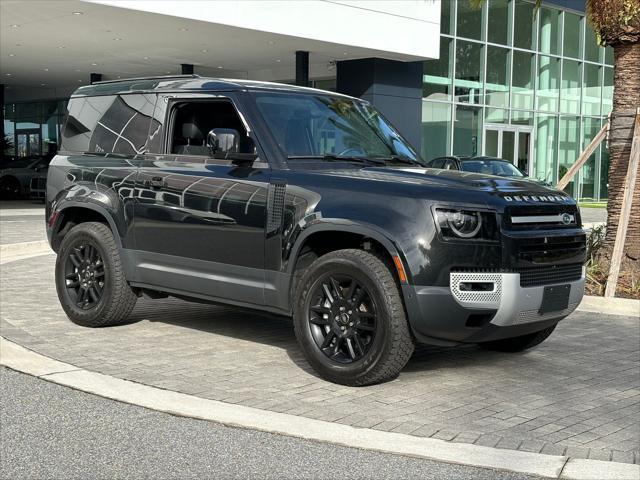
pixel 514 304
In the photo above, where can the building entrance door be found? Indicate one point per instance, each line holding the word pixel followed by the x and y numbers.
pixel 28 142
pixel 511 142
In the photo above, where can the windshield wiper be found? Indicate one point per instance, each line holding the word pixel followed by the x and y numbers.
pixel 399 159
pixel 337 158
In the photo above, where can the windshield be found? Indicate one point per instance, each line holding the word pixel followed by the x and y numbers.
pixel 310 126
pixel 491 167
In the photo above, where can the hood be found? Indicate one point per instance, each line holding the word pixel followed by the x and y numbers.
pixel 463 187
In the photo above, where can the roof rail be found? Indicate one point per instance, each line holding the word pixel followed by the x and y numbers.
pixel 159 77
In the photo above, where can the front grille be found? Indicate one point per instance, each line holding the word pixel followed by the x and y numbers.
pixel 550 249
pixel 541 217
pixel 537 276
pixel 38 183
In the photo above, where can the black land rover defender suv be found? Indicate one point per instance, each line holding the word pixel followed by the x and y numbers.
pixel 304 203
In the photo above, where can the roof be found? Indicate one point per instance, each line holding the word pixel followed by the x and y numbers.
pixel 186 83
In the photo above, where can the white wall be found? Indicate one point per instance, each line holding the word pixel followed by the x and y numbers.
pixel 400 27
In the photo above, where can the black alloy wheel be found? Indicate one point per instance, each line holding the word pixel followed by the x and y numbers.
pixel 84 274
pixel 342 318
pixel 90 279
pixel 349 318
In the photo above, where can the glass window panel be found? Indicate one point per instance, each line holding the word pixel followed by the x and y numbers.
pixel 572 38
pixel 549 30
pixel 568 149
pixel 592 91
pixel 498 29
pixel 9 145
pixel 467 130
pixel 548 83
pixel 29 112
pixel 608 55
pixel 508 144
pixel 437 73
pixel 524 151
pixel 523 30
pixel 523 80
pixel 445 16
pixel 571 82
pixel 497 84
pixel 468 81
pixel 521 118
pixel 545 145
pixel 491 143
pixel 592 50
pixel 436 129
pixel 591 126
pixel 607 91
pixel 496 115
pixel 469 21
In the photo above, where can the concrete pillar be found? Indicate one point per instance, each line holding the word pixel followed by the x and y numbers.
pixel 187 68
pixel 302 68
pixel 95 77
pixel 394 88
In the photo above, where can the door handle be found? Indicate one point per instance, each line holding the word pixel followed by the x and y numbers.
pixel 156 183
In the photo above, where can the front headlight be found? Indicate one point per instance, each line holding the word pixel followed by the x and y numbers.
pixel 466 224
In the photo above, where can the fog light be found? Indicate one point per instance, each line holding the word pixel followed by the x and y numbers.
pixel 476 286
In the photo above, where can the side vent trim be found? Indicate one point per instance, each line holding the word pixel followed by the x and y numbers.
pixel 275 205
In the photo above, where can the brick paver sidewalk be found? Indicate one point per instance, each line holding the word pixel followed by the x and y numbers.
pixel 577 394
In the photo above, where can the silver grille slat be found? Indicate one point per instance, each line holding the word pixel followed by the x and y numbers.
pixel 541 218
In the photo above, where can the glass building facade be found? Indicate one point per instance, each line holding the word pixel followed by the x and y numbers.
pixel 32 128
pixel 529 85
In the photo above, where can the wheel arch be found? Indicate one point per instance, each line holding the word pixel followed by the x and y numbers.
pixel 341 235
pixel 74 213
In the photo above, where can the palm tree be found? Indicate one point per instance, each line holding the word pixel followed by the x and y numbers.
pixel 617 24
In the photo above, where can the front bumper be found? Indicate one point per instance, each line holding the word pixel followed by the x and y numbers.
pixel 452 314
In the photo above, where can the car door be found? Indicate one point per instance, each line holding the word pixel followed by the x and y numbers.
pixel 199 220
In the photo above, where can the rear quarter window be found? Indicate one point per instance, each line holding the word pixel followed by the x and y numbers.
pixel 108 124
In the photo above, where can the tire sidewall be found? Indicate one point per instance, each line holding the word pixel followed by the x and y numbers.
pixel 78 234
pixel 329 368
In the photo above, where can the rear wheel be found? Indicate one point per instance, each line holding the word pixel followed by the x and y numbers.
pixel 518 344
pixel 9 188
pixel 90 280
pixel 350 321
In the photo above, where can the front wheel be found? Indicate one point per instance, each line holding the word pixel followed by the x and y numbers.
pixel 90 280
pixel 350 321
pixel 518 344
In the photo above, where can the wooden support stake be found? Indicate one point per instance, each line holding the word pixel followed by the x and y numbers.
pixel 625 211
pixel 584 156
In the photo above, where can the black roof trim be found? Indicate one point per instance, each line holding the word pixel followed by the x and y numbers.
pixel 159 77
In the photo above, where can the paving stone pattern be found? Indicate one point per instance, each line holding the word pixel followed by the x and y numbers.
pixel 577 394
pixel 17 229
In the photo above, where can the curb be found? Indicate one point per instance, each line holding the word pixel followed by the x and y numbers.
pixel 610 306
pixel 26 361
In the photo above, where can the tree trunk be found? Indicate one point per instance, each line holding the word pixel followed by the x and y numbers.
pixel 626 98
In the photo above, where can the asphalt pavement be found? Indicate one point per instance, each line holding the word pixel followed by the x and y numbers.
pixel 53 432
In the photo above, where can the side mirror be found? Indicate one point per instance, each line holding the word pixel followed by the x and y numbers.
pixel 222 140
pixel 228 144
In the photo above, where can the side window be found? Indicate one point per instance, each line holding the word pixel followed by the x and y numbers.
pixel 108 124
pixel 193 122
pixel 437 163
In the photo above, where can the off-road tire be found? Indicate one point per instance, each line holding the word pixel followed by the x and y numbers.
pixel 393 343
pixel 518 344
pixel 9 188
pixel 117 298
